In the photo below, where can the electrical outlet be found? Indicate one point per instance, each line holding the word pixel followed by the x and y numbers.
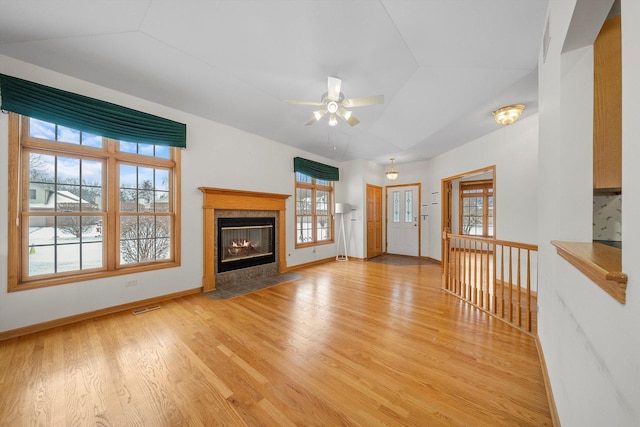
pixel 130 283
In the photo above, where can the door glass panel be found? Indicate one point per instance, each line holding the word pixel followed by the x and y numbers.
pixel 408 206
pixel 396 206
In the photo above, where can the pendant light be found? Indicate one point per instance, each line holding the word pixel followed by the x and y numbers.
pixel 392 174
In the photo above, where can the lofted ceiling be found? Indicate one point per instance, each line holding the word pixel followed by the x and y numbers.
pixel 442 65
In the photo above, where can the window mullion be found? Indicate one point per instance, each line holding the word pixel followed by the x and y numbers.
pixel 112 209
pixel 314 213
pixel 485 216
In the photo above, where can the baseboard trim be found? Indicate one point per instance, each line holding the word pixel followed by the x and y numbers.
pixel 39 327
pixel 555 419
pixel 428 258
pixel 310 264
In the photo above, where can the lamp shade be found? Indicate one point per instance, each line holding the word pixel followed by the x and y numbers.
pixel 392 173
pixel 342 208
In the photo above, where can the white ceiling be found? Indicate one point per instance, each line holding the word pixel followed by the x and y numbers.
pixel 442 65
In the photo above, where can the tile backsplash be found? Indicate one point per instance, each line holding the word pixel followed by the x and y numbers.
pixel 607 217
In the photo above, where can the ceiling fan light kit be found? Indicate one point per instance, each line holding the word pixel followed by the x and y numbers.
pixel 392 174
pixel 334 103
pixel 509 114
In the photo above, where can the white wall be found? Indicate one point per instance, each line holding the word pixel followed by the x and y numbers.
pixel 351 192
pixel 514 151
pixel 591 343
pixel 216 156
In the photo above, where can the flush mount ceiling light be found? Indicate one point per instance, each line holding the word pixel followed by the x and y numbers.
pixel 392 174
pixel 509 114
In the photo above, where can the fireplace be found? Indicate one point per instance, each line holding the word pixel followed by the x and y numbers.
pixel 245 242
pixel 263 214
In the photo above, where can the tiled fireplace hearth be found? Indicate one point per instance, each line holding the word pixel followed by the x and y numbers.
pixel 259 210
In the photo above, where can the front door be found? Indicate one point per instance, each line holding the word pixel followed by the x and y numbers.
pixel 403 227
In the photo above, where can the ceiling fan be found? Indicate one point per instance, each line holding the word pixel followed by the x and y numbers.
pixel 334 103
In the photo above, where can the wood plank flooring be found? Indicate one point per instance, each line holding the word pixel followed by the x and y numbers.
pixel 350 343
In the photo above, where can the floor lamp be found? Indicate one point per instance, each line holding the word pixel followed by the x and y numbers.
pixel 341 209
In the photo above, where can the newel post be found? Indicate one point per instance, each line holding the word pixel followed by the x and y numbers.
pixel 445 258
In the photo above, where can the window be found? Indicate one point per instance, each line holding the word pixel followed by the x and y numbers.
pixel 476 213
pixel 314 198
pixel 88 206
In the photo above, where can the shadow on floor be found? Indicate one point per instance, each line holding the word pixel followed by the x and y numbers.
pixel 400 260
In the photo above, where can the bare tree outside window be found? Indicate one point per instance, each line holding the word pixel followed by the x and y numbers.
pixel 144 239
pixel 146 192
pixel 77 225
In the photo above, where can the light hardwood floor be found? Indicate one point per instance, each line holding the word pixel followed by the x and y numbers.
pixel 350 343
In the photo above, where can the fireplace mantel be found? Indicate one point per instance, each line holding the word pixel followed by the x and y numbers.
pixel 221 198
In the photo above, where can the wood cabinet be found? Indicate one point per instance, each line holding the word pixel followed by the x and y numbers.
pixel 607 107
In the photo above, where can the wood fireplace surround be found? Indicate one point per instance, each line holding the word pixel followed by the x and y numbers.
pixel 218 199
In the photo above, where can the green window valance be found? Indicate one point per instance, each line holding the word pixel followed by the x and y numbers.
pixel 88 114
pixel 315 169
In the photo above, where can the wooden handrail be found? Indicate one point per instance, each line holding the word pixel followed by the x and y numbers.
pixel 520 245
pixel 493 275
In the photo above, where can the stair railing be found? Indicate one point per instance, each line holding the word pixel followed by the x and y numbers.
pixel 497 276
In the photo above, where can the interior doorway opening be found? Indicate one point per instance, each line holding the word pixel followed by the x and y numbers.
pixel 453 218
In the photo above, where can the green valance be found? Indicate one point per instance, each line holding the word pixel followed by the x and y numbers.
pixel 88 114
pixel 315 169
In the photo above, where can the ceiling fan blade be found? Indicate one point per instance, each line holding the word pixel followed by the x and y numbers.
pixel 333 88
pixel 304 103
pixel 348 116
pixel 317 115
pixel 365 100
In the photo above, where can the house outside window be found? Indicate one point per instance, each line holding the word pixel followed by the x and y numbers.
pixel 95 207
pixel 314 219
pixel 476 213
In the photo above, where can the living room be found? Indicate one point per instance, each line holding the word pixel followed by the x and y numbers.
pixel 543 191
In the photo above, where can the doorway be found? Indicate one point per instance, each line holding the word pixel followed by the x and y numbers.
pixel 403 225
pixel 450 206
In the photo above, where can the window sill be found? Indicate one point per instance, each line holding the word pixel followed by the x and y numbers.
pixel 42 283
pixel 600 263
